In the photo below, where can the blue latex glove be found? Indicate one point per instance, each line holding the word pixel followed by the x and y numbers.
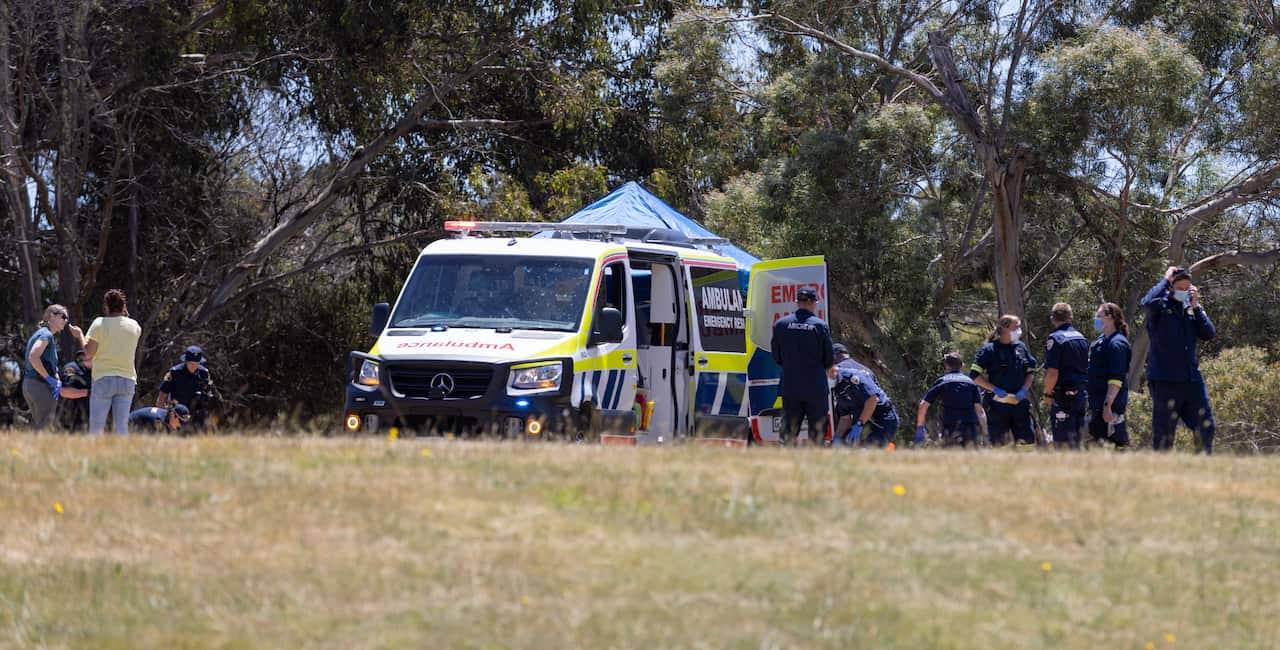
pixel 854 434
pixel 1021 394
pixel 54 385
pixel 1000 392
pixel 920 435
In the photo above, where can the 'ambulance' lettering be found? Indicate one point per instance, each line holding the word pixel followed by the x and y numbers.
pixel 475 345
pixel 786 293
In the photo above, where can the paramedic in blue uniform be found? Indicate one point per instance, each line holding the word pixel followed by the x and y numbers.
pixel 961 405
pixel 1175 320
pixel 1005 368
pixel 802 348
pixel 875 421
pixel 1066 378
pixel 1109 377
pixel 188 383
pixel 157 420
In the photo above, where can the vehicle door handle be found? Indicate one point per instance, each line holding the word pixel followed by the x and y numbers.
pixel 702 361
pixel 626 357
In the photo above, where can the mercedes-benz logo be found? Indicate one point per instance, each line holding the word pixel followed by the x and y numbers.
pixel 442 382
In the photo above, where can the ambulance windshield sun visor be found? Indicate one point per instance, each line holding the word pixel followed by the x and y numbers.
pixel 485 291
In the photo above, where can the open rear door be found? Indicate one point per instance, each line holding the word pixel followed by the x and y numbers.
pixel 771 294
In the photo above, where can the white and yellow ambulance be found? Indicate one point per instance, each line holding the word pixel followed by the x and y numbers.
pixel 583 332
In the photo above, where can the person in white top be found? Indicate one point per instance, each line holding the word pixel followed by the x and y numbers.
pixel 113 344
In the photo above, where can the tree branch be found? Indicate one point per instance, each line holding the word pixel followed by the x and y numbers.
pixel 1260 185
pixel 1236 258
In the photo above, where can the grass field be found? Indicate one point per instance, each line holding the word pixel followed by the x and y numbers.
pixel 281 543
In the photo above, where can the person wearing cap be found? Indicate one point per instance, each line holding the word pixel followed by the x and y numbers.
pixel 153 419
pixel 843 360
pixel 961 405
pixel 1066 376
pixel 802 347
pixel 73 407
pixel 869 416
pixel 188 383
pixel 1005 368
pixel 1175 321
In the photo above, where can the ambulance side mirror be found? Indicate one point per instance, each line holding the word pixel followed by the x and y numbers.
pixel 378 321
pixel 608 327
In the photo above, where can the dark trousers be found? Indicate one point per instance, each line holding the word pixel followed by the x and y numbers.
pixel 1002 418
pixel 1116 432
pixel 1180 400
pixel 813 409
pixel 882 427
pixel 959 434
pixel 1067 416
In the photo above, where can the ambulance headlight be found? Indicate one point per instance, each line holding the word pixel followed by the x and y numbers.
pixel 545 376
pixel 368 375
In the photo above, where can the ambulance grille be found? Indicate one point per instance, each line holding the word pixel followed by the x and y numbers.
pixel 414 381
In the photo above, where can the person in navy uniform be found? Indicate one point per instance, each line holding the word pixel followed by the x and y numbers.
pixel 1066 378
pixel 73 407
pixel 153 419
pixel 190 384
pixel 1175 320
pixel 869 414
pixel 802 348
pixel 961 406
pixel 843 360
pixel 1005 367
pixel 1109 377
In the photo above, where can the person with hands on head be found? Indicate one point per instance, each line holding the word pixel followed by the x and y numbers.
pixel 1109 377
pixel 1066 374
pixel 1005 367
pixel 802 347
pixel 40 384
pixel 1175 322
pixel 961 405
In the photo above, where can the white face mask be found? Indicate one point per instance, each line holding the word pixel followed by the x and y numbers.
pixel 1015 335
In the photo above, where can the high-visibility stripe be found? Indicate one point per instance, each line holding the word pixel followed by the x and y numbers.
pixel 1116 382
pixel 978 369
pixel 606 400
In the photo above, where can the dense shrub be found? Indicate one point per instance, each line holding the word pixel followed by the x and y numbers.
pixel 1244 390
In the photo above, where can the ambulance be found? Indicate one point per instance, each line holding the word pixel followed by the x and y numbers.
pixel 581 332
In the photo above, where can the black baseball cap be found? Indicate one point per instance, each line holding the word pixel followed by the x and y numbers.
pixel 181 411
pixel 806 294
pixel 839 348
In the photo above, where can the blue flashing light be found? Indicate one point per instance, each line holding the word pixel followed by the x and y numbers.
pixel 522 403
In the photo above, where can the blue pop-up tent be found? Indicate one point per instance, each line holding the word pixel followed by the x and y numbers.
pixel 635 207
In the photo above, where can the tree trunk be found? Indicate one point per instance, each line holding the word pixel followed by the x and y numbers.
pixel 1007 182
pixel 14 180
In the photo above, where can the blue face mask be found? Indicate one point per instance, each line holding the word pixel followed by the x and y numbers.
pixel 1183 297
pixel 1097 323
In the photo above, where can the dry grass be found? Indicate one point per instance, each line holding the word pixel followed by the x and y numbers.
pixel 268 542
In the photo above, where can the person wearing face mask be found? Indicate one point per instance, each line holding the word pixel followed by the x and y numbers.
pixel 1005 368
pixel 1175 320
pixel 1066 371
pixel 1109 377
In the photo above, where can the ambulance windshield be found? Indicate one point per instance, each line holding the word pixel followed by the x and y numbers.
pixel 495 291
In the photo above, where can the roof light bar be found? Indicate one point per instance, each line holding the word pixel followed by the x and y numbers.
pixel 464 227
pixel 708 241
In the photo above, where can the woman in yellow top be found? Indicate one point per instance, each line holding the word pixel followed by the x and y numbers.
pixel 113 342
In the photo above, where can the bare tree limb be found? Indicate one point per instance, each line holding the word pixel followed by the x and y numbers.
pixel 1237 258
pixel 1260 185
pixel 297 222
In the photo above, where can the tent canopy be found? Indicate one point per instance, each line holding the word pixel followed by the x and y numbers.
pixel 635 207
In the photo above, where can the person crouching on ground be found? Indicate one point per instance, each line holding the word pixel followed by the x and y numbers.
pixel 153 419
pixel 961 405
